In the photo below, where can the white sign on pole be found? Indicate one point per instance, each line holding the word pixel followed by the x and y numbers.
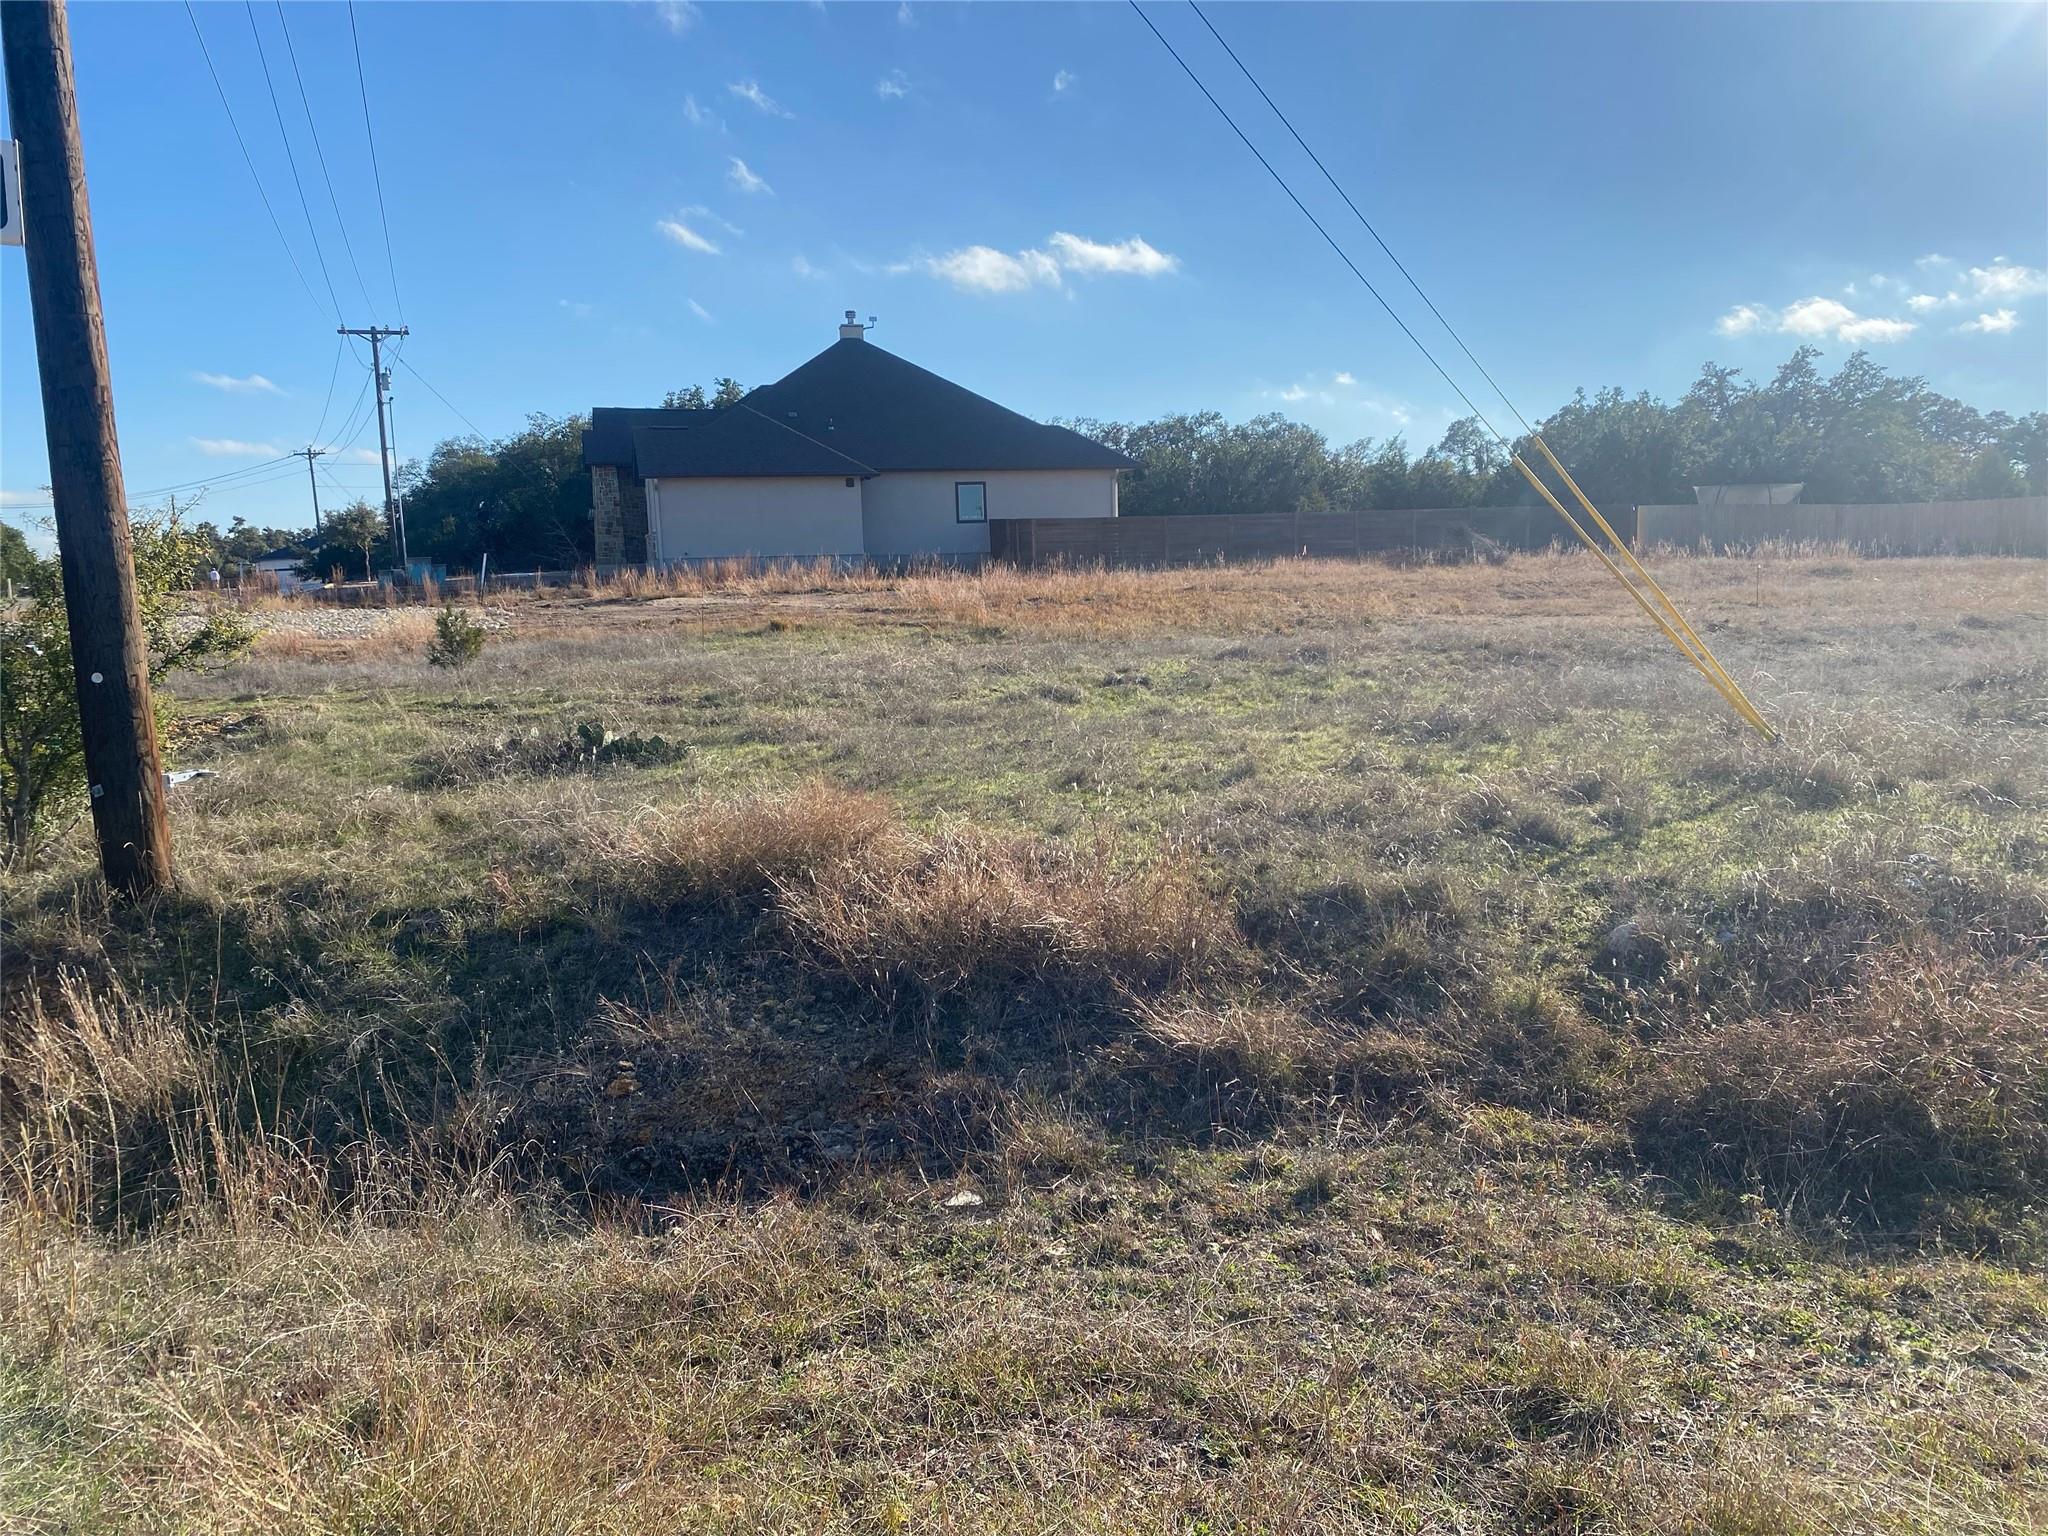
pixel 10 192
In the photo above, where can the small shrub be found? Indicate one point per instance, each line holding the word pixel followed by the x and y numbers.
pixel 458 639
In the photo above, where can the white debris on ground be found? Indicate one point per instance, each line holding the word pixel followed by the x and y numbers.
pixel 336 623
pixel 353 623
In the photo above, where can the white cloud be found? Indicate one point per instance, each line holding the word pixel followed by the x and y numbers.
pixel 2004 280
pixel 1875 328
pixel 750 91
pixel 701 312
pixel 1934 259
pixel 1997 323
pixel 1340 395
pixel 686 237
pixel 893 86
pixel 700 116
pixel 1814 317
pixel 984 269
pixel 699 211
pixel 356 456
pixel 677 15
pixel 1920 303
pixel 904 17
pixel 1740 320
pixel 745 179
pixel 228 384
pixel 1064 81
pixel 235 448
pixel 578 308
pixel 1132 256
pixel 24 499
pixel 802 267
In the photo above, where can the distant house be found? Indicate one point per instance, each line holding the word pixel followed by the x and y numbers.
pixel 858 453
pixel 280 566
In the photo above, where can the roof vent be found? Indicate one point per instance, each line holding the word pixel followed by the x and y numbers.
pixel 852 329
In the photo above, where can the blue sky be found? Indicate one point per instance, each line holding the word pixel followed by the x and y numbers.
pixel 589 204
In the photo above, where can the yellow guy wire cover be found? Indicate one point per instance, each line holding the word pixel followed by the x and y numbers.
pixel 1676 629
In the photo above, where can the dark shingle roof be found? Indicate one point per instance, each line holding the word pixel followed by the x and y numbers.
pixel 737 441
pixel 609 439
pixel 894 415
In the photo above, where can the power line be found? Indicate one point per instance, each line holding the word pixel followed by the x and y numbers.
pixel 249 159
pixel 1330 239
pixel 1650 597
pixel 1362 219
pixel 371 134
pixel 349 420
pixel 332 374
pixel 306 102
pixel 408 367
pixel 292 160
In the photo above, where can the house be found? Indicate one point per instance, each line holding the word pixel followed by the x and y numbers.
pixel 857 454
pixel 280 568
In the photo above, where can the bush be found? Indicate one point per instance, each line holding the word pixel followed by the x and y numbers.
pixel 458 639
pixel 42 753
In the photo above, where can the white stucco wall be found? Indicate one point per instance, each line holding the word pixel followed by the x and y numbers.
pixel 765 515
pixel 911 513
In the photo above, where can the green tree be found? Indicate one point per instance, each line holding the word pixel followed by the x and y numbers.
pixel 351 540
pixel 729 391
pixel 17 559
pixel 42 753
pixel 689 398
pixel 524 500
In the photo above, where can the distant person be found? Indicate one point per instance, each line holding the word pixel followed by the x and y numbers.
pixel 213 576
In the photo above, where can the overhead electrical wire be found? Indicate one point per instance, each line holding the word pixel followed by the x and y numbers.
pixel 408 367
pixel 292 160
pixel 320 153
pixel 1643 588
pixel 327 405
pixel 1342 255
pixel 1362 219
pixel 250 160
pixel 362 86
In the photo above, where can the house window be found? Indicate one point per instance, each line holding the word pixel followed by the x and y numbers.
pixel 970 501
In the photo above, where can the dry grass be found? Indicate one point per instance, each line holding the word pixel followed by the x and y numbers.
pixel 962 908
pixel 1420 1067
pixel 1924 1081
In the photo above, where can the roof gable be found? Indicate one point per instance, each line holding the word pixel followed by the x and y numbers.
pixel 737 441
pixel 893 415
pixel 609 438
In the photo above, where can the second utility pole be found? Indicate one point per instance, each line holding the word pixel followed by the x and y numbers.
pixel 309 453
pixel 377 335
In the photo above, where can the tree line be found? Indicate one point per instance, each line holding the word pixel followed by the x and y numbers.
pixel 1860 434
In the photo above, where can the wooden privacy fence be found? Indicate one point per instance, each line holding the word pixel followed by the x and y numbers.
pixel 2014 526
pixel 1278 535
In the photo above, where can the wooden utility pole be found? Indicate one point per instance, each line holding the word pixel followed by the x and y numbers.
pixel 110 659
pixel 309 453
pixel 394 520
